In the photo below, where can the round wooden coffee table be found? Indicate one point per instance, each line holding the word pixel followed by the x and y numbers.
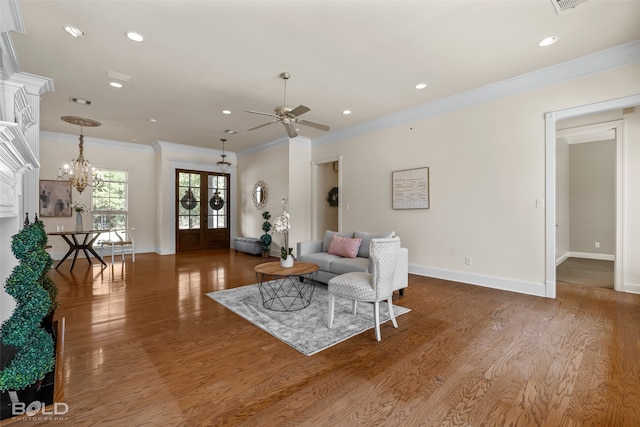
pixel 286 289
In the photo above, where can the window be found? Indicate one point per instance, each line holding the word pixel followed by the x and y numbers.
pixel 110 200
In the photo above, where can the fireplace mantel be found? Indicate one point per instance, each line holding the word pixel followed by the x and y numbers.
pixel 16 157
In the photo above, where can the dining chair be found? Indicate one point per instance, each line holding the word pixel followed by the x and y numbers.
pixel 120 240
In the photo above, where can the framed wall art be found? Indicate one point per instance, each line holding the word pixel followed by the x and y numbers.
pixel 55 198
pixel 410 189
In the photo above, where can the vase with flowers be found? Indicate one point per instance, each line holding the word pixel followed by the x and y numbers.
pixel 79 209
pixel 282 225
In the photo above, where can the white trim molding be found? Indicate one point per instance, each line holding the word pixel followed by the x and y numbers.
pixel 493 282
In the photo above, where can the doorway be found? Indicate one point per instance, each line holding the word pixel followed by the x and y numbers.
pixel 202 210
pixel 586 202
pixel 326 184
pixel 550 187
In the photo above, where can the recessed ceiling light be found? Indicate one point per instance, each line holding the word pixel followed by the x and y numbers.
pixel 134 37
pixel 231 132
pixel 116 84
pixel 346 112
pixel 421 85
pixel 153 120
pixel 226 111
pixel 75 31
pixel 548 41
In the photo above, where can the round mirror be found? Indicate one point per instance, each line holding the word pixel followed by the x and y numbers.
pixel 260 195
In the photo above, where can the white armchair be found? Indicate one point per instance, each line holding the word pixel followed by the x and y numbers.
pixel 375 287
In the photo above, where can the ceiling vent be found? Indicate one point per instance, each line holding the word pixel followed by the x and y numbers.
pixel 562 5
pixel 80 101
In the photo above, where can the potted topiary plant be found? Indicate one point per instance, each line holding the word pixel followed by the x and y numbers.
pixel 265 239
pixel 32 348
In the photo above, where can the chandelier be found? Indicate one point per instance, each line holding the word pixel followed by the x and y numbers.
pixel 77 173
pixel 223 164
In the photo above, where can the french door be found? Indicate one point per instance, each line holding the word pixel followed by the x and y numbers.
pixel 202 210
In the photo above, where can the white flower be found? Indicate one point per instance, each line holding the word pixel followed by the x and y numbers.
pixel 281 223
pixel 78 207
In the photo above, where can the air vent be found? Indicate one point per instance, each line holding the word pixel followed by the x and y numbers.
pixel 562 5
pixel 80 101
pixel 119 76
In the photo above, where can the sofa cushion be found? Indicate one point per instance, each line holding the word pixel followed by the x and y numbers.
pixel 347 265
pixel 323 259
pixel 345 247
pixel 328 235
pixel 366 240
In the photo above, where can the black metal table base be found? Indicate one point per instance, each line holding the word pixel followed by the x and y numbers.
pixel 75 247
pixel 286 293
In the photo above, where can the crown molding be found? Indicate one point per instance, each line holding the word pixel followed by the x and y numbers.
pixel 618 56
pixel 73 139
pixel 35 85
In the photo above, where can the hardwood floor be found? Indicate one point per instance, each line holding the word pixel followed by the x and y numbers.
pixel 588 272
pixel 146 346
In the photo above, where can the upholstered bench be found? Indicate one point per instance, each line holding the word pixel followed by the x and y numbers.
pixel 250 245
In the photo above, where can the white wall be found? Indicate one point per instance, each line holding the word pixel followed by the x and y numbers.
pixel 285 167
pixel 487 171
pixel 168 158
pixel 57 149
pixel 271 165
pixel 631 225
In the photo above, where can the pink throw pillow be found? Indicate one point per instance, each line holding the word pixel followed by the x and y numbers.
pixel 344 246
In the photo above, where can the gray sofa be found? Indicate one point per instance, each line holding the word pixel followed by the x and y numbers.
pixel 316 251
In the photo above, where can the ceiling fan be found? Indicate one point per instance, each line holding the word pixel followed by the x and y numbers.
pixel 288 116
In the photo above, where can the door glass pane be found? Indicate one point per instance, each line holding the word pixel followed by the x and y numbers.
pixel 218 199
pixel 188 201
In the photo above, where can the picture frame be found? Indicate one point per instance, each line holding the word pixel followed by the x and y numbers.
pixel 55 198
pixel 410 188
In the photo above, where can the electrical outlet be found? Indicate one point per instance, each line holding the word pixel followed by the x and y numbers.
pixel 597 244
pixel 467 260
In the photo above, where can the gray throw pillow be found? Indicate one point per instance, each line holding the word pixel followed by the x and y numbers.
pixel 366 240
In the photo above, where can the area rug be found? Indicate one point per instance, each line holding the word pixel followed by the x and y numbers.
pixel 305 330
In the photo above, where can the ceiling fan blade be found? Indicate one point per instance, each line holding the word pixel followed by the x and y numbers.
pixel 299 110
pixel 312 124
pixel 291 131
pixel 264 124
pixel 261 113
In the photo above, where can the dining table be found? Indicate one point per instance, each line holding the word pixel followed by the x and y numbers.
pixel 79 240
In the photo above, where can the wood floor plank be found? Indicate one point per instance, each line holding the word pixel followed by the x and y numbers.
pixel 144 345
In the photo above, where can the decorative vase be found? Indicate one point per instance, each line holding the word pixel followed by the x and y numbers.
pixel 286 263
pixel 78 221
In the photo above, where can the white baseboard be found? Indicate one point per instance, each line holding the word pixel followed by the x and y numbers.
pixel 632 288
pixel 585 255
pixel 505 284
